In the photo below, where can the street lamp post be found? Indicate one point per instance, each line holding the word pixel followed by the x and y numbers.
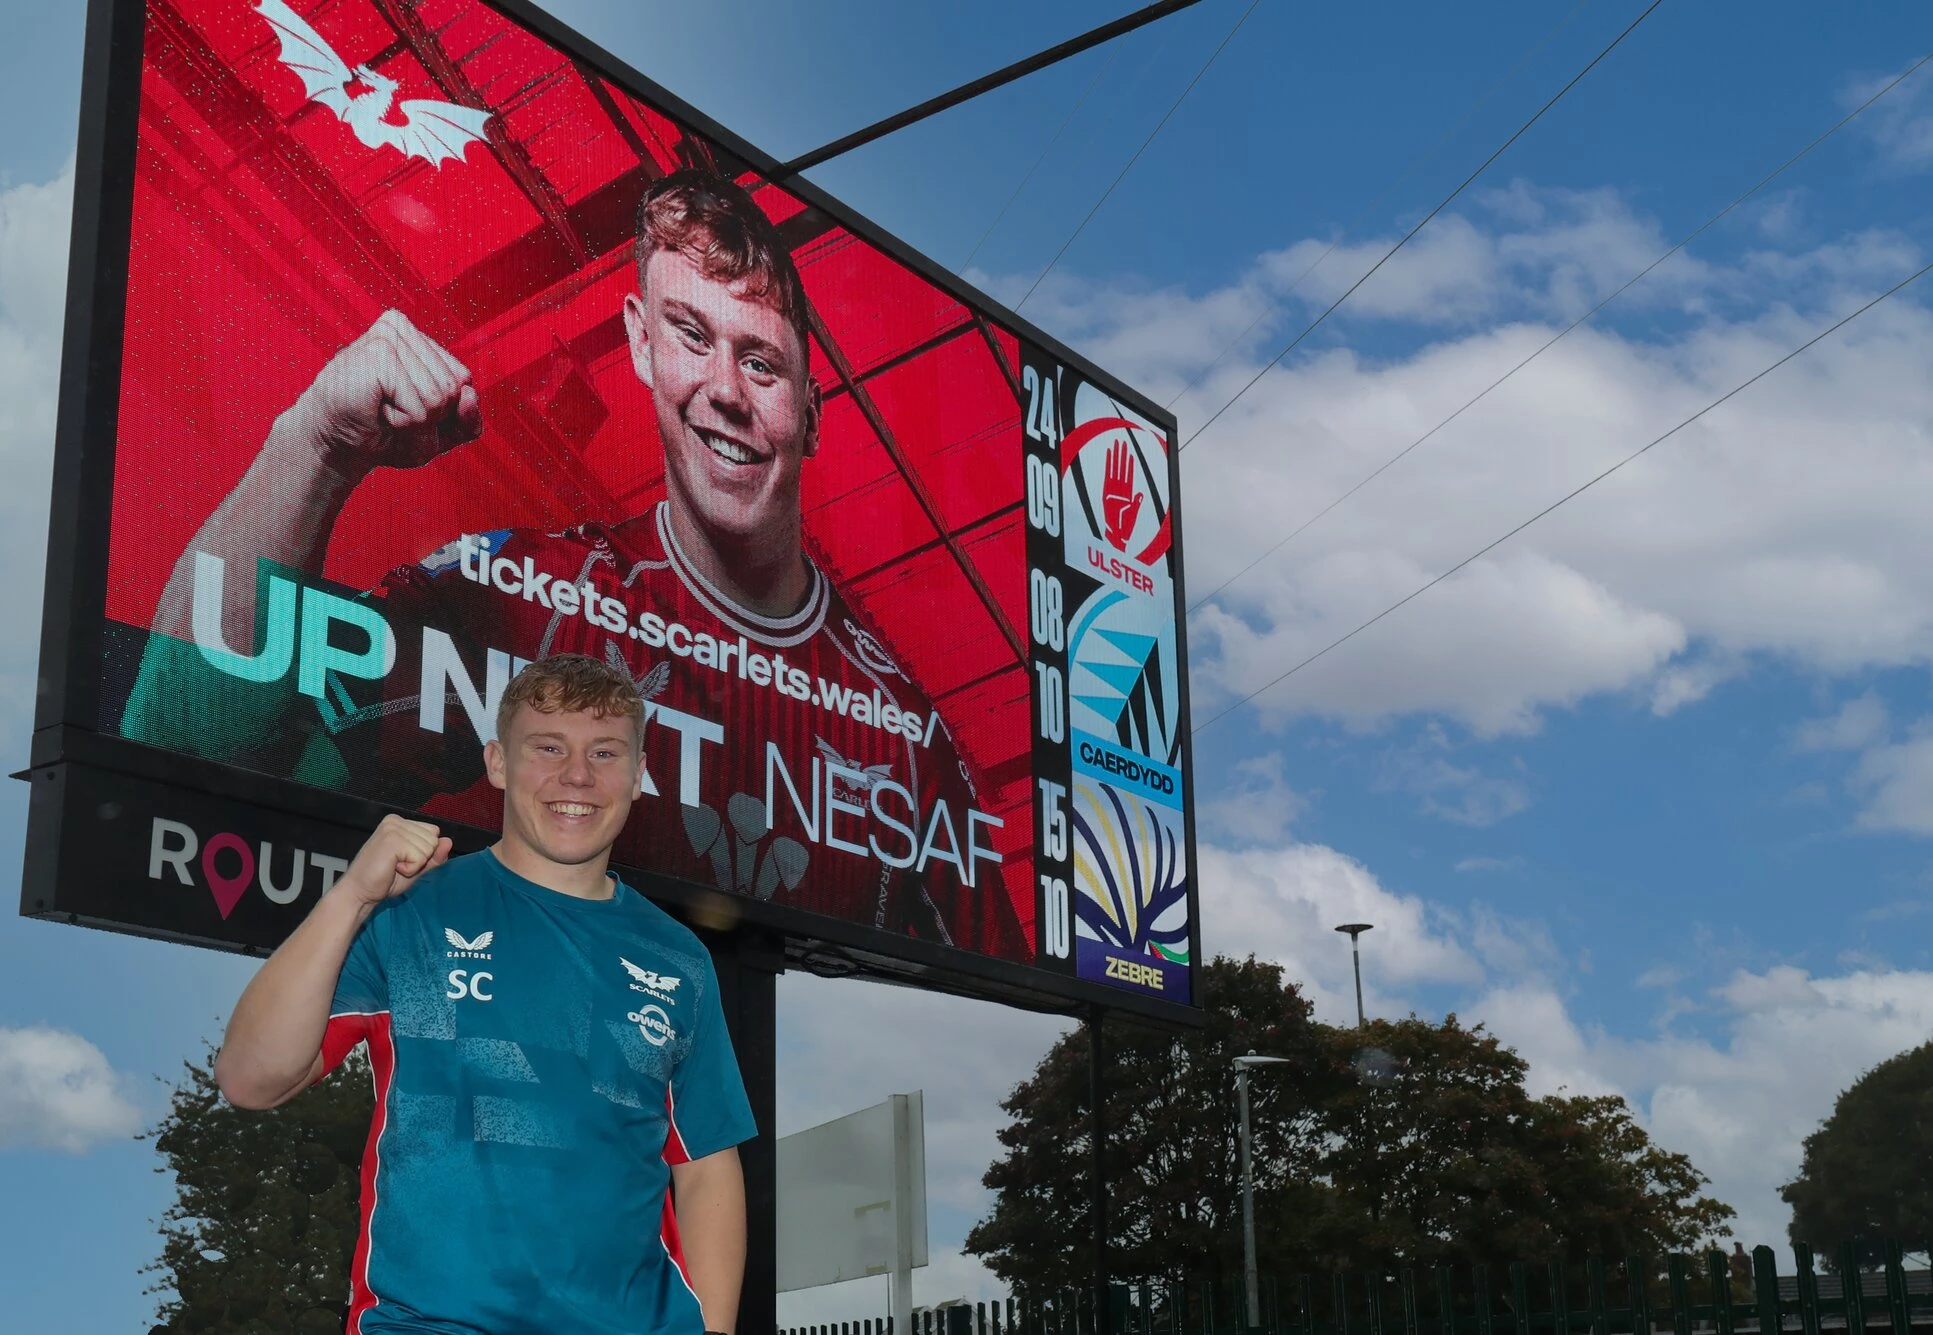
pixel 1356 929
pixel 1253 1294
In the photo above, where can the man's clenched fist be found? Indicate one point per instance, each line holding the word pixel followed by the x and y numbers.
pixel 394 397
pixel 392 858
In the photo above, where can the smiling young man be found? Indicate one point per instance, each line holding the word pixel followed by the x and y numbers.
pixel 787 755
pixel 558 1105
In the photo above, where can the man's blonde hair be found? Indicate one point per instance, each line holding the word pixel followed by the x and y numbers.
pixel 573 684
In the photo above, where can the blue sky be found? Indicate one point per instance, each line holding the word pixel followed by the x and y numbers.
pixel 1648 789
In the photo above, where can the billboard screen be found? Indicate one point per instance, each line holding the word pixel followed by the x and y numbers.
pixel 422 340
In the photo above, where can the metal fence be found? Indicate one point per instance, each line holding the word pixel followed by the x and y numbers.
pixel 1716 1294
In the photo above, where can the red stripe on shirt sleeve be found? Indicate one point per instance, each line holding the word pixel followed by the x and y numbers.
pixel 382 1064
pixel 674 1154
pixel 341 1035
pixel 674 1143
pixel 674 1246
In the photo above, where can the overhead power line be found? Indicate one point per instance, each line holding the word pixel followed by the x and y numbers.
pixel 1123 173
pixel 1567 497
pixel 1629 283
pixel 986 83
pixel 1095 82
pixel 1376 203
pixel 1296 342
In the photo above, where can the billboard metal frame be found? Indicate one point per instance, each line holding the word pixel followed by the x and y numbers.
pixel 73 621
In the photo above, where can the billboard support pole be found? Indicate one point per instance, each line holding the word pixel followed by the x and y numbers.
pixel 901 1307
pixel 749 962
pixel 1097 1165
pixel 986 83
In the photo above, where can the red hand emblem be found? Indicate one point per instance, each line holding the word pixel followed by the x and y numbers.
pixel 1120 498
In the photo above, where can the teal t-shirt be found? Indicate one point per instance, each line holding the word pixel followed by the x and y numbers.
pixel 540 1061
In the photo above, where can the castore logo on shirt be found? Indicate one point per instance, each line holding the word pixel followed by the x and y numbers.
pixel 468 950
pixel 465 982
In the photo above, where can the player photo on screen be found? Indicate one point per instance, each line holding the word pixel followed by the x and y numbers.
pixel 445 353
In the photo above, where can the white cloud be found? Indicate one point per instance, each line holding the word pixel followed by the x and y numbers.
pixel 1284 903
pixel 1742 1101
pixel 1738 1101
pixel 1897 779
pixel 34 221
pixel 1457 793
pixel 1530 250
pixel 1689 679
pixel 1253 805
pixel 1449 274
pixel 57 1092
pixel 1901 124
pixel 1509 637
pixel 1490 864
pixel 1855 725
pixel 33 281
pixel 1892 773
pixel 1891 776
pixel 1739 1098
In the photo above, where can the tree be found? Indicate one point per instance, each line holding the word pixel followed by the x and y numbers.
pixel 1404 1142
pixel 263 1227
pixel 1172 1153
pixel 1440 1155
pixel 1867 1174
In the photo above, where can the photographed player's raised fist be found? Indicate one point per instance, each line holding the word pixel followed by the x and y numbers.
pixel 394 397
pixel 392 858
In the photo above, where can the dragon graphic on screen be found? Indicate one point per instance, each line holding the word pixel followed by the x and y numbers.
pixel 366 102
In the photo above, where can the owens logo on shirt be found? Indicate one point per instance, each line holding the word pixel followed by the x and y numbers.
pixel 654 1025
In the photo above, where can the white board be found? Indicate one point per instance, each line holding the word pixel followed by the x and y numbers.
pixel 843 1211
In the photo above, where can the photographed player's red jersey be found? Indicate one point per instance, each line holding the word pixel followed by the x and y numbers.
pixel 787 758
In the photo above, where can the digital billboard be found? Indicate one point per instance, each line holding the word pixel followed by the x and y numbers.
pixel 413 340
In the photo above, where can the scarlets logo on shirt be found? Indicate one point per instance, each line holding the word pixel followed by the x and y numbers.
pixel 651 982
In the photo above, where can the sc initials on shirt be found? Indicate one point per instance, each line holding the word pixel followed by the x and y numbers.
pixel 463 984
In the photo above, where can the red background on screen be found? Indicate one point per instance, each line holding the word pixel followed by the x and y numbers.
pixel 266 236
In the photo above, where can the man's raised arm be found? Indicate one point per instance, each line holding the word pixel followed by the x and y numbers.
pixel 273 1048
pixel 393 397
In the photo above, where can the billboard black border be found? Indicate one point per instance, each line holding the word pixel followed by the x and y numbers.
pixel 86 433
